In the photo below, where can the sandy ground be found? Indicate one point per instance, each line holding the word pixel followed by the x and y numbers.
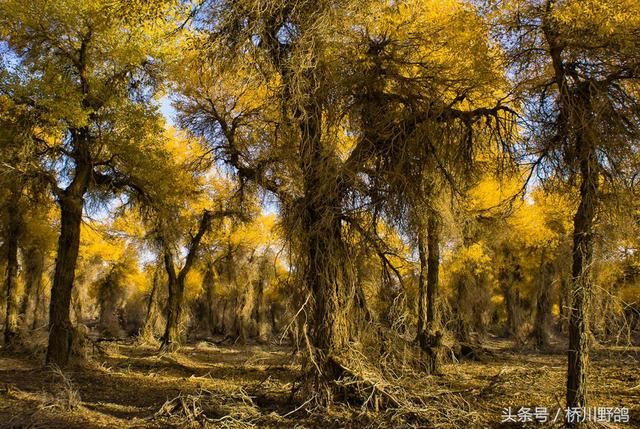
pixel 206 385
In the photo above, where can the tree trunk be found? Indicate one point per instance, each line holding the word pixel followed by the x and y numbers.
pixel 261 313
pixel 34 267
pixel 512 303
pixel 543 305
pixel 171 337
pixel 209 286
pixel 564 305
pixel 429 328
pixel 60 328
pixel 433 262
pixel 422 283
pixel 434 327
pixel 40 310
pixel 12 300
pixel 577 110
pixel 221 327
pixel 583 224
pixel 246 310
pixel 463 289
pixel 71 202
pixel 148 331
pixel 3 294
pixel 326 262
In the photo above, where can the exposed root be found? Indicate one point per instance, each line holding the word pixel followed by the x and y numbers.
pixel 236 410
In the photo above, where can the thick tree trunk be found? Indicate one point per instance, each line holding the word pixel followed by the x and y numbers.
pixel 3 294
pixel 246 310
pixel 583 224
pixel 71 202
pixel 176 282
pixel 34 267
pixel 433 262
pixel 110 297
pixel 429 327
pixel 171 337
pixel 221 327
pixel 326 259
pixel 577 111
pixel 11 289
pixel 512 304
pixel 509 276
pixel 60 328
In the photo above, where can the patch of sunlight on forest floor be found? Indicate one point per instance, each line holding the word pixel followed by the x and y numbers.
pixel 206 385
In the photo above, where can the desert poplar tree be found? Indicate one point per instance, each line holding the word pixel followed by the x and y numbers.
pixel 91 79
pixel 576 66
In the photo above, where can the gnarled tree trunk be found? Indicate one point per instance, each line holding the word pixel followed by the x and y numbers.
pixel 171 337
pixel 71 202
pixel 326 259
pixel 583 224
pixel 148 331
pixel 176 282
pixel 60 328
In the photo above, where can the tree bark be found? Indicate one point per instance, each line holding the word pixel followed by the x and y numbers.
pixel 245 312
pixel 564 305
pixel 512 304
pixel 422 283
pixel 583 224
pixel 577 112
pixel 12 299
pixel 148 331
pixel 71 202
pixel 34 267
pixel 434 327
pixel 171 337
pixel 176 283
pixel 326 259
pixel 429 328
pixel 60 328
pixel 433 262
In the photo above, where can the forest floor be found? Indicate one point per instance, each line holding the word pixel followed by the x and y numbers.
pixel 126 385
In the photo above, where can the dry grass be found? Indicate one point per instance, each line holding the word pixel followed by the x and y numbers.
pixel 204 385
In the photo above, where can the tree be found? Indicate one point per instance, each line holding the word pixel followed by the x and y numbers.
pixel 270 97
pixel 19 194
pixel 576 64
pixel 91 81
